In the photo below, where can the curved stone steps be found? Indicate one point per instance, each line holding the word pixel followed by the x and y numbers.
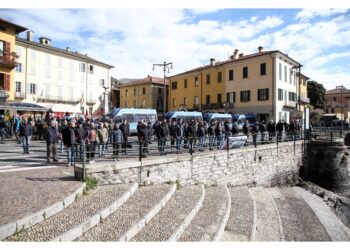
pixel 79 217
pixel 299 221
pixel 240 223
pixel 210 220
pixel 267 225
pixel 335 228
pixel 174 218
pixel 130 218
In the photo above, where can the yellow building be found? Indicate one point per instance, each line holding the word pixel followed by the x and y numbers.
pixel 8 59
pixel 143 93
pixel 304 100
pixel 262 83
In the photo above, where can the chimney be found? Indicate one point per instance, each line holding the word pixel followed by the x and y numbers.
pixel 235 54
pixel 67 48
pixel 212 61
pixel 261 49
pixel 45 41
pixel 241 55
pixel 30 35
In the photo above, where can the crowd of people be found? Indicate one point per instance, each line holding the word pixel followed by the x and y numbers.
pixel 90 136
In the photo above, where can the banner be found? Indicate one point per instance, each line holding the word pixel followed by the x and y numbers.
pixel 234 142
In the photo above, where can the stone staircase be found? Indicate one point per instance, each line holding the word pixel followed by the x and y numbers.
pixel 127 212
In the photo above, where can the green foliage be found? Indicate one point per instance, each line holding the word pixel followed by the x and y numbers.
pixel 91 183
pixel 317 95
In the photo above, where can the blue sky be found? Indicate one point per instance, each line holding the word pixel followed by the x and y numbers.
pixel 133 39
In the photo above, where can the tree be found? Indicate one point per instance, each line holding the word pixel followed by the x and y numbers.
pixel 317 94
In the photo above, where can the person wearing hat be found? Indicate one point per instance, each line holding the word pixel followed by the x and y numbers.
pixel 51 141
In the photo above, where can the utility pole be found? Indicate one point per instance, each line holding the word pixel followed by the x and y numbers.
pixel 165 66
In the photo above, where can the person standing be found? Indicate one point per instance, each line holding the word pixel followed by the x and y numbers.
pixel 102 138
pixel 68 136
pixel 62 125
pixel 39 129
pixel 25 131
pixel 172 133
pixel 211 134
pixel 271 129
pixel 51 141
pixel 79 135
pixel 179 135
pixel 16 126
pixel 201 136
pixel 90 142
pixel 144 139
pixel 125 128
pixel 117 139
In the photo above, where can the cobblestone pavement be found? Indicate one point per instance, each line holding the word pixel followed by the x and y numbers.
pixel 26 192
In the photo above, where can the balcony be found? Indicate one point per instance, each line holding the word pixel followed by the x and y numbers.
pixel 289 105
pixel 304 100
pixel 213 106
pixel 8 60
pixel 69 99
pixel 20 95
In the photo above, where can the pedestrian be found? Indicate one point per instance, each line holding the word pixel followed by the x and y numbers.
pixel 201 136
pixel 179 135
pixel 235 128
pixel 102 138
pixel 90 142
pixel 79 135
pixel 211 134
pixel 279 129
pixel 255 131
pixel 246 128
pixel 16 126
pixel 150 132
pixel 69 140
pixel 125 128
pixel 144 139
pixel 219 133
pixel 117 139
pixel 262 130
pixel 62 125
pixel 25 131
pixel 51 141
pixel 172 133
pixel 191 134
pixel 38 129
pixel 271 129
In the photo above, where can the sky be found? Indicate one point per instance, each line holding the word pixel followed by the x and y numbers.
pixel 133 39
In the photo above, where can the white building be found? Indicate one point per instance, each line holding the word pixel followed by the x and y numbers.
pixel 60 79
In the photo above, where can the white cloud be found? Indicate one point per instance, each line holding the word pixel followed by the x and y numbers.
pixel 327 58
pixel 307 14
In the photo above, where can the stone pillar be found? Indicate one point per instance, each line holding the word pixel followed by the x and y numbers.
pixel 326 164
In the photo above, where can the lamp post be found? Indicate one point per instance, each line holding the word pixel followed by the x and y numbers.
pixel 341 107
pixel 105 87
pixel 166 66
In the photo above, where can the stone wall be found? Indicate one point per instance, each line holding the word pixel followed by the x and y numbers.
pixel 267 165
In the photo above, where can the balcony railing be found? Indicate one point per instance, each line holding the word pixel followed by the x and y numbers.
pixel 8 61
pixel 19 95
pixel 213 106
pixel 59 98
pixel 290 105
pixel 304 99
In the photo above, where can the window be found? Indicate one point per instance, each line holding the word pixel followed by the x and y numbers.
pixel 196 100
pixel 285 95
pixel 82 67
pixel 245 72
pixel 102 82
pixel 2 47
pixel 285 73
pixel 292 96
pixel 231 97
pixel 196 81
pixel 174 102
pixel 219 98
pixel 143 91
pixel 174 85
pixel 332 110
pixel 32 88
pixel 18 87
pixel 245 96
pixel 230 75
pixel 134 91
pixel 219 77
pixel 207 99
pixel 19 67
pixel 185 84
pixel 290 77
pixel 159 91
pixel 263 94
pixel 280 94
pixel 91 69
pixel 263 69
pixel 185 101
pixel 280 71
pixel 208 78
pixel 126 92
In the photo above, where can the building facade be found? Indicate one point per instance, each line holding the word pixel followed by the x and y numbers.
pixel 263 83
pixel 8 60
pixel 338 102
pixel 144 93
pixel 59 79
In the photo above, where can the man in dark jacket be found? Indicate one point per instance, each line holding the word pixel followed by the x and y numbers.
pixel 144 139
pixel 125 128
pixel 191 133
pixel 51 141
pixel 79 135
pixel 68 136
pixel 271 128
pixel 25 131
pixel 172 133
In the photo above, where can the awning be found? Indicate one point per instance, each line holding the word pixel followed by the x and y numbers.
pixel 22 106
pixel 58 107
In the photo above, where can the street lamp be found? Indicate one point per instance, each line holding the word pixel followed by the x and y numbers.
pixel 166 66
pixel 105 87
pixel 341 107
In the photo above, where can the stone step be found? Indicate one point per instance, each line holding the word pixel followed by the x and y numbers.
pixel 174 218
pixel 299 221
pixel 79 217
pixel 129 219
pixel 335 228
pixel 210 221
pixel 240 223
pixel 267 225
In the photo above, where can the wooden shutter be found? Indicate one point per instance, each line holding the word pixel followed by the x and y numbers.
pixel 7 82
